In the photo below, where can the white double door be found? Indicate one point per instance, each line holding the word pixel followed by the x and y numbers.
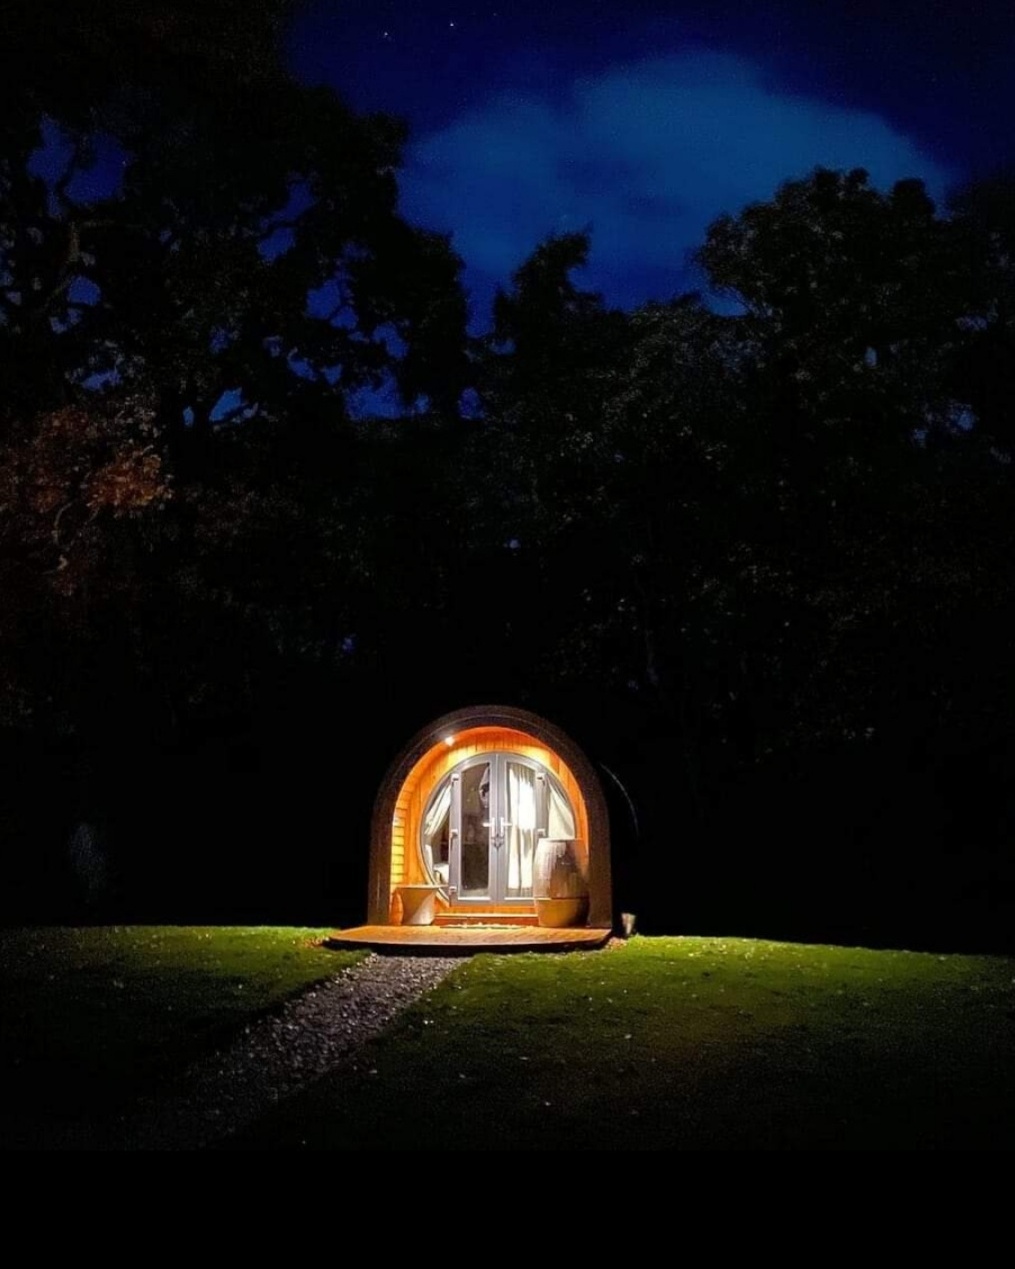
pixel 491 811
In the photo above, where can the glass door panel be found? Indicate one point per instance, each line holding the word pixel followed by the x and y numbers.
pixel 475 832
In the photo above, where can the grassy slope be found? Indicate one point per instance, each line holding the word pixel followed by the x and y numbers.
pixel 689 1043
pixel 93 1016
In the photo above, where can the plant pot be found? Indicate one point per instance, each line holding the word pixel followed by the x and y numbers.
pixel 418 904
pixel 559 888
pixel 558 914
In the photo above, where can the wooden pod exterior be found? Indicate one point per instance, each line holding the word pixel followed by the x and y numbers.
pixel 396 857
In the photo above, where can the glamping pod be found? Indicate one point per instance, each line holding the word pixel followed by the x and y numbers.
pixel 491 816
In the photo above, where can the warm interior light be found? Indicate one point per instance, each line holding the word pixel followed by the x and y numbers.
pixel 449 740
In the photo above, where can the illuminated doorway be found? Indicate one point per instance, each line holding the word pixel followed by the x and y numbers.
pixel 483 823
pixel 435 827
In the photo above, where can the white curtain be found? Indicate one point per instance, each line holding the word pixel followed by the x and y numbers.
pixel 520 830
pixel 561 817
pixel 435 817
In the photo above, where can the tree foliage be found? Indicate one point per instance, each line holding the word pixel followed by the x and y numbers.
pixel 201 264
pixel 727 540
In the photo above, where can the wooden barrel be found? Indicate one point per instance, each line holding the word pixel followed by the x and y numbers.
pixel 559 887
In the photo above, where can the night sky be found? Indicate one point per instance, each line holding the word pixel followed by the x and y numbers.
pixel 645 120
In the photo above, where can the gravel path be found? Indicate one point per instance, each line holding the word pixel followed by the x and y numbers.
pixel 312 1035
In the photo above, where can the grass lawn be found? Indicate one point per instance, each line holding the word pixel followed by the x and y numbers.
pixel 684 1043
pixel 92 1017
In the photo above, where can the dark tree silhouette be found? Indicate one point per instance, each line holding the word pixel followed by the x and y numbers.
pixel 760 558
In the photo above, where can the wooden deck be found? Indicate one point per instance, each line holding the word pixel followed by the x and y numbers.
pixel 435 940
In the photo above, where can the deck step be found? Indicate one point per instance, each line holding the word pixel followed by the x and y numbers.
pixel 460 920
pixel 428 940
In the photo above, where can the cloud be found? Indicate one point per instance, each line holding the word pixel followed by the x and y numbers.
pixel 646 155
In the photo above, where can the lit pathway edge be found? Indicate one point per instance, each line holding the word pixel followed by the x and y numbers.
pixel 277 1056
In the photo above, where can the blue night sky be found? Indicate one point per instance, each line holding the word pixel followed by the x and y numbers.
pixel 643 121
